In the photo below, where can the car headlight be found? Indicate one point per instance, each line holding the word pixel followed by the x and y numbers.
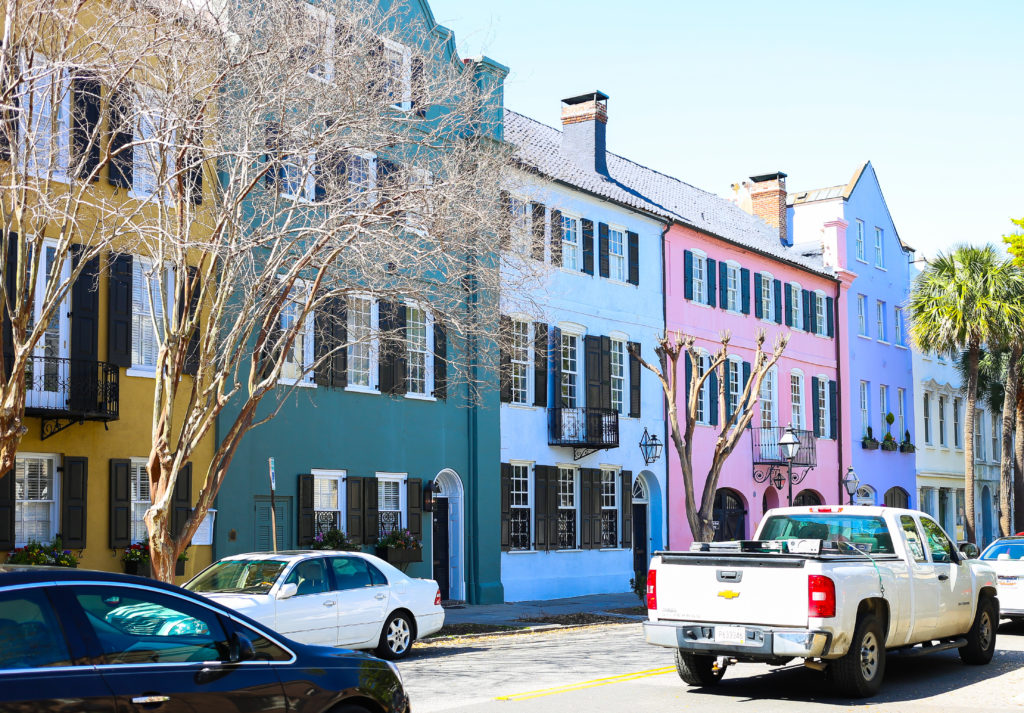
pixel 394 669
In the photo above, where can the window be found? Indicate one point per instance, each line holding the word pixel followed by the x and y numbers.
pixel 362 178
pixel 865 413
pixel 942 420
pixel 926 408
pixel 328 500
pixel 141 499
pixel 35 499
pixel 732 287
pixel 361 357
pixel 298 176
pixel 824 409
pixel 618 371
pixel 865 496
pixel 420 200
pixel 399 74
pixel 883 405
pixel 879 253
pixel 310 577
pixel 796 399
pixel 521 222
pixel 152 296
pixel 30 632
pixel 390 503
pixel 570 242
pixel 796 307
pixel 897 326
pixel 153 154
pixel 297 365
pixel 769 399
pixel 767 296
pixel 956 423
pixel 880 319
pixel 419 334
pixel 860 242
pixel 939 545
pixel 319 48
pixel 616 254
pixel 570 385
pixel 901 416
pixel 609 508
pixel 862 315
pixel 567 513
pixel 46 89
pixel 521 361
pixel 913 538
pixel 819 313
pixel 979 435
pixel 521 504
pixel 700 278
pixel 355 573
pixel 995 437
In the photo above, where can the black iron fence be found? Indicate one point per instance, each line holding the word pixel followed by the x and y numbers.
pixel 584 427
pixel 766 448
pixel 71 388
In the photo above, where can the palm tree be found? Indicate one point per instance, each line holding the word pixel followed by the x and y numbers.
pixel 963 300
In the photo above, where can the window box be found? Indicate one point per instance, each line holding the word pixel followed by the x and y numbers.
pixel 869 444
pixel 890 445
pixel 400 555
pixel 907 447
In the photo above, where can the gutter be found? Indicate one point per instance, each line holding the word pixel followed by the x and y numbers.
pixel 664 414
pixel 839 392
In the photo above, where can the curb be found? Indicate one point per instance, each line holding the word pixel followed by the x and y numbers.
pixel 539 628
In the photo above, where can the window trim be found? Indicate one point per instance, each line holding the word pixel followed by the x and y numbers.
pixel 394 46
pixel 61 174
pixel 767 287
pixel 145 101
pixel 861 254
pixel 572 247
pixel 308 378
pixel 616 480
pixel 820 306
pixel 700 296
pixel 802 412
pixel 57 462
pixel 527 364
pixel 864 402
pixel 372 345
pixel 403 507
pixel 926 414
pixel 824 409
pixel 428 358
pixel 135 463
pixel 320 14
pixel 529 507
pixel 623 341
pixel 879 248
pixel 771 379
pixel 881 330
pixel 340 476
pixel 576 470
pixel 577 332
pixel 623 257
pixel 733 269
pixel 797 300
pixel 142 264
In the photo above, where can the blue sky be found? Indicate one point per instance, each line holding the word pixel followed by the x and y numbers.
pixel 712 92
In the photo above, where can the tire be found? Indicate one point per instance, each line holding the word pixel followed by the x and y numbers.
pixel 395 638
pixel 697 669
pixel 349 708
pixel 859 673
pixel 981 639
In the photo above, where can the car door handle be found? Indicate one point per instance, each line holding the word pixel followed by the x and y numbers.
pixel 329 603
pixel 943 577
pixel 379 596
pixel 150 699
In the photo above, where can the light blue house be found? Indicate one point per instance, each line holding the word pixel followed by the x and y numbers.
pixel 862 242
pixel 581 510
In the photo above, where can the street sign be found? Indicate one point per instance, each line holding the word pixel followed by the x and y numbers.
pixel 273 483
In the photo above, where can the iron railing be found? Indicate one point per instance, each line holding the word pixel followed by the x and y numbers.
pixel 79 389
pixel 584 427
pixel 767 451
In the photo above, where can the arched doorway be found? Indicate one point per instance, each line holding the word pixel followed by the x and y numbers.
pixel 986 516
pixel 447 543
pixel 897 497
pixel 730 514
pixel 769 500
pixel 805 498
pixel 641 523
pixel 865 496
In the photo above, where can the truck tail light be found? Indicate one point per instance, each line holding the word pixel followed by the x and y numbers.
pixel 652 589
pixel 437 598
pixel 821 596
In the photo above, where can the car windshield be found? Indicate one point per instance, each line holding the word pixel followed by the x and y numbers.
pixel 867 534
pixel 254 576
pixel 1004 551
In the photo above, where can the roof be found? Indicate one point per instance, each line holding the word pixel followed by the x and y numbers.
pixel 538 148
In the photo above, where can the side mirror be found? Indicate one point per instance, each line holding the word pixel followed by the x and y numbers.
pixel 240 649
pixel 970 550
pixel 286 591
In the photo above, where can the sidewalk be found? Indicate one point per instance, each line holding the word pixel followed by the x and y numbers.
pixel 512 613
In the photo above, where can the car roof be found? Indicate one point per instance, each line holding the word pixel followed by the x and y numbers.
pixel 875 510
pixel 13 574
pixel 288 555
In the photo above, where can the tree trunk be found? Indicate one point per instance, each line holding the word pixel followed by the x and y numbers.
pixel 1018 458
pixel 1007 460
pixel 973 353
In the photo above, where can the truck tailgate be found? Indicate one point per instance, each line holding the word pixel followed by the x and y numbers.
pixel 768 590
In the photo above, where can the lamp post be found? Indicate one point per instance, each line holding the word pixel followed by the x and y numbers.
pixel 790 446
pixel 650 448
pixel 851 483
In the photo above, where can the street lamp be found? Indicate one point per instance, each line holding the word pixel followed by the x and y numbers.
pixel 851 483
pixel 790 446
pixel 650 448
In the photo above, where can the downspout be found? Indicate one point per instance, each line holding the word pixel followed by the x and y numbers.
pixel 839 391
pixel 664 410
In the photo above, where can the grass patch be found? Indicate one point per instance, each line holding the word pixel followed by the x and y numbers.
pixel 578 619
pixel 452 630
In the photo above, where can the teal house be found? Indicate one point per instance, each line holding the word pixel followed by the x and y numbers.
pixel 378 446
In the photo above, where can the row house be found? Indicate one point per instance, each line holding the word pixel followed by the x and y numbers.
pixel 851 226
pixel 581 509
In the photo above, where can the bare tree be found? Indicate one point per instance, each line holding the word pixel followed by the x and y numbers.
pixel 673 348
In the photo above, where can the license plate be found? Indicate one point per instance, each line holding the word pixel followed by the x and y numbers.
pixel 730 635
pixel 1008 581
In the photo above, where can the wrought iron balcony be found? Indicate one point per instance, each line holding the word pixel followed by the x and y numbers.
pixel 765 444
pixel 68 391
pixel 584 429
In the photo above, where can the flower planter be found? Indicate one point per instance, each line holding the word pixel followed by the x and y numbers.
pixel 890 446
pixel 869 444
pixel 907 448
pixel 405 555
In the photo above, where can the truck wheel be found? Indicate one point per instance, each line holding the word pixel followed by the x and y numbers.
pixel 698 670
pixel 981 639
pixel 859 673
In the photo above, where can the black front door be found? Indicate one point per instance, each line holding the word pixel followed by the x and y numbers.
pixel 641 557
pixel 730 515
pixel 441 546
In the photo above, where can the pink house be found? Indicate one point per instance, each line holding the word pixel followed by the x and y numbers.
pixel 735 271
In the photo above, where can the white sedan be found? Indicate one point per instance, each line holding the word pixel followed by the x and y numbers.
pixel 327 598
pixel 1006 557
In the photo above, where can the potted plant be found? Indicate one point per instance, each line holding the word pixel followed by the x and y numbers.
pixel 332 539
pixel 907 446
pixel 136 560
pixel 889 443
pixel 52 554
pixel 868 442
pixel 399 547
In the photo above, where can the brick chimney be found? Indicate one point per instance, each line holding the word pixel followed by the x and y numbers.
pixel 584 122
pixel 768 199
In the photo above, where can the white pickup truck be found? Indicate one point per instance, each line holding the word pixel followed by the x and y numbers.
pixel 834 585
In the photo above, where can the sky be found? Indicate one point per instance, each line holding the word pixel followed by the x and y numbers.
pixel 711 92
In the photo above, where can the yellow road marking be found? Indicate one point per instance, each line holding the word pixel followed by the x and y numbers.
pixel 586 684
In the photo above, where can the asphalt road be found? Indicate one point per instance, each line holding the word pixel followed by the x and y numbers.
pixel 611 668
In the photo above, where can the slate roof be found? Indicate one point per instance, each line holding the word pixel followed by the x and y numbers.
pixel 537 147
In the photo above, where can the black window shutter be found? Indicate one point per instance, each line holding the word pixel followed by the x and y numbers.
pixel 541 473
pixel 371 528
pixel 806 295
pixel 606 372
pixel 688 379
pixel 419 104
pixel 635 369
pixel 391 368
pixel 552 502
pixel 729 405
pixel 7 508
pixel 440 362
pixel 85 318
pixel 602 250
pixel 556 367
pixel 181 501
pixel 323 344
pixel 712 391
pixel 744 290
pixel 192 289
pixel 9 136
pixel 815 412
pixel 119 311
pixel 586 508
pixel 746 374
pixel 10 284
pixel 758 306
pixel 414 506
pixel 633 244
pixel 587 230
pixel 556 237
pixel 122 134
pixel 687 274
pixel 626 506
pixel 537 242
pixel 540 364
pixel 272 141
pixel 73 501
pixel 833 414
pixel 710 267
pixel 506 507
pixel 85 112
pixel 307 516
pixel 354 516
pixel 505 226
pixel 505 358
pixel 595 509
pixel 120 502
pixel 777 288
pixel 829 316
pixel 592 365
pixel 789 306
pixel 193 168
pixel 339 362
pixel 723 285
pixel 399 352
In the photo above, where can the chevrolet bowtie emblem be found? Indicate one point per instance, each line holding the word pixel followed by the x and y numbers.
pixel 728 594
